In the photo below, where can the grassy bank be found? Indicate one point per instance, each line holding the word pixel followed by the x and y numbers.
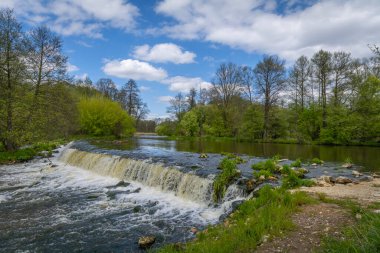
pixel 255 220
pixel 28 152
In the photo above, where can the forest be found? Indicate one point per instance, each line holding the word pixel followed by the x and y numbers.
pixel 330 98
pixel 39 101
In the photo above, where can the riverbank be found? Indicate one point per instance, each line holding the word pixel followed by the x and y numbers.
pixel 275 141
pixel 304 220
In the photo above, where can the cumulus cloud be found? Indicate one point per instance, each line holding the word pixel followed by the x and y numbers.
pixel 71 68
pixel 299 27
pixel 71 17
pixel 184 84
pixel 165 52
pixel 134 69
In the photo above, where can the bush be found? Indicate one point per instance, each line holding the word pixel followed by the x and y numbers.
pixel 316 160
pixel 100 116
pixel 292 180
pixel 265 173
pixel 269 165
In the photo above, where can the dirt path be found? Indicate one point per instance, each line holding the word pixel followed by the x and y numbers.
pixel 313 222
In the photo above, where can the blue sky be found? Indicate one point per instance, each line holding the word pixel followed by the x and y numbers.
pixel 169 46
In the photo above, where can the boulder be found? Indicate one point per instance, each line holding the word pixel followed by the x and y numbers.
pixel 347 165
pixel 343 180
pixel 250 184
pixel 146 241
pixel 356 173
pixel 374 175
pixel 327 179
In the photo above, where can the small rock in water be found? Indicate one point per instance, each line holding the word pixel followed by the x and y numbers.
pixel 262 178
pixel 250 184
pixel 194 230
pixel 374 175
pixel 271 178
pixel 347 165
pixel 146 241
pixel 121 184
pixel 314 164
pixel 203 155
pixel 54 165
pixel 327 179
pixel 343 180
pixel 356 173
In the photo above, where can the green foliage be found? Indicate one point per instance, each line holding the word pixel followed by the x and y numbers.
pixel 316 161
pixel 253 123
pixel 166 128
pixel 28 153
pixel 265 173
pixel 269 165
pixel 269 214
pixel 364 237
pixel 100 116
pixel 237 158
pixel 297 163
pixel 189 123
pixel 222 181
pixel 293 180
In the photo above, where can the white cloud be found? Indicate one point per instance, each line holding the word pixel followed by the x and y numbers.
pixel 165 99
pixel 256 25
pixel 134 69
pixel 165 52
pixel 71 68
pixel 72 17
pixel 184 84
pixel 144 88
pixel 83 43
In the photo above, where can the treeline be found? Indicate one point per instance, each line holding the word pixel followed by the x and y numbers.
pixel 39 101
pixel 331 98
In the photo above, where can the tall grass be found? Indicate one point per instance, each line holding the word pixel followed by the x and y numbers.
pixel 269 214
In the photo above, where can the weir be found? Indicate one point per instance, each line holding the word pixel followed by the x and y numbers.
pixel 168 179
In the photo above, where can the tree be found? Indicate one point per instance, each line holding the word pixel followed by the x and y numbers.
pixel 107 87
pixel 191 98
pixel 100 116
pixel 322 72
pixel 299 77
pixel 129 96
pixel 253 122
pixel 45 61
pixel 341 70
pixel 189 123
pixel 178 106
pixel 248 77
pixel 12 50
pixel 270 80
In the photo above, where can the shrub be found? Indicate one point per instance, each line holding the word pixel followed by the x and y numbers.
pixel 269 165
pixel 100 116
pixel 316 160
pixel 292 180
pixel 265 173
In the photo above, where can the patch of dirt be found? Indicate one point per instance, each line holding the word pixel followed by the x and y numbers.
pixel 313 222
pixel 364 192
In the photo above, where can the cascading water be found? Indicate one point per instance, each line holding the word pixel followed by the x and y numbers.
pixel 183 185
pixel 79 205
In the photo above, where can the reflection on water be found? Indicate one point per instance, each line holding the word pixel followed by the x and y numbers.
pixel 369 157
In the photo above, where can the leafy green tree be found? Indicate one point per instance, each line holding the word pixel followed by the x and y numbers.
pixel 100 116
pixel 189 123
pixel 253 123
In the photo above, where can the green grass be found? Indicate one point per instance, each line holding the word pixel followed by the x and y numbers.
pixel 269 165
pixel 297 163
pixel 265 173
pixel 27 153
pixel 293 180
pixel 269 214
pixel 223 180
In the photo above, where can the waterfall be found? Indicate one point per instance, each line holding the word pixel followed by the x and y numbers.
pixel 169 179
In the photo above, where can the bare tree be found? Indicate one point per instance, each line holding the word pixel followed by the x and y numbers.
pixel 248 79
pixel 341 70
pixel 270 80
pixel 322 72
pixel 129 96
pixel 107 87
pixel 45 60
pixel 178 106
pixel 299 77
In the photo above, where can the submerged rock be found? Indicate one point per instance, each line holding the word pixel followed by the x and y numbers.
pixel 146 241
pixel 203 155
pixel 121 184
